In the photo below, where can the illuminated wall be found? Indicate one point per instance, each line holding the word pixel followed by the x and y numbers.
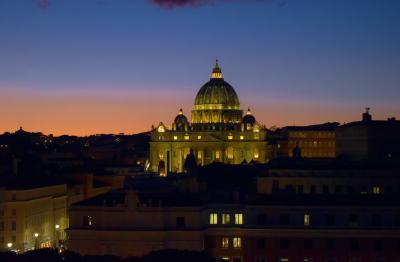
pixel 33 217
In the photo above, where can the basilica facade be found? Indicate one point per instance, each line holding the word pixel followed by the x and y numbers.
pixel 218 132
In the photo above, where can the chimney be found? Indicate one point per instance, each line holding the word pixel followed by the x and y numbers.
pixel 366 117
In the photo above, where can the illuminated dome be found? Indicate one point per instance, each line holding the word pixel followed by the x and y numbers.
pixel 249 118
pixel 181 123
pixel 216 101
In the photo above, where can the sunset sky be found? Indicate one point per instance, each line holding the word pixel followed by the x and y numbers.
pixel 118 66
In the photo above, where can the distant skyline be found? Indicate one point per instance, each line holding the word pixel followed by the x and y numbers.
pixel 100 66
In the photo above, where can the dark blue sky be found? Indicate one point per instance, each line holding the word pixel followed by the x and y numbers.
pixel 277 54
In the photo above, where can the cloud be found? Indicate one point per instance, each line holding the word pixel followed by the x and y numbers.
pixel 194 3
pixel 180 3
pixel 169 3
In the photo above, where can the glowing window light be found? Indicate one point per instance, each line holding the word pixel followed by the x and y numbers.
pixel 229 153
pixel 213 218
pixel 376 190
pixel 225 242
pixel 217 154
pixel 226 219
pixel 175 137
pixel 256 154
pixel 237 242
pixel 239 219
pixel 186 137
pixel 307 218
pixel 216 75
pixel 230 137
pixel 198 137
pixel 241 137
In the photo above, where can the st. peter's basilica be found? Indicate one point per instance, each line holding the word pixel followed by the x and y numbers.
pixel 218 132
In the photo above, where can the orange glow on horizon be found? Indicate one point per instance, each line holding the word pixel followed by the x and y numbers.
pixel 103 112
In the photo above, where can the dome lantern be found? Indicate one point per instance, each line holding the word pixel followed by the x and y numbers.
pixel 217 72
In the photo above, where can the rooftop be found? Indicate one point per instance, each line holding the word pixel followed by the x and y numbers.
pixel 175 199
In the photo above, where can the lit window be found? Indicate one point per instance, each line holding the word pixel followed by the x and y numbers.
pixel 241 137
pixel 88 221
pixel 230 137
pixel 256 136
pixel 226 219
pixel 376 190
pixel 239 219
pixel 237 242
pixel 256 155
pixel 175 137
pixel 198 137
pixel 213 218
pixel 161 155
pixel 217 154
pixel 186 137
pixel 225 242
pixel 199 155
pixel 229 153
pixel 307 219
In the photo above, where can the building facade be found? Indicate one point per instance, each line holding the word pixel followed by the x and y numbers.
pixel 236 227
pixel 369 140
pixel 33 217
pixel 218 132
pixel 314 141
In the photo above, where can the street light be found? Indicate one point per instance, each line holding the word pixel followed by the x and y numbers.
pixel 36 235
pixel 9 245
pixel 57 226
